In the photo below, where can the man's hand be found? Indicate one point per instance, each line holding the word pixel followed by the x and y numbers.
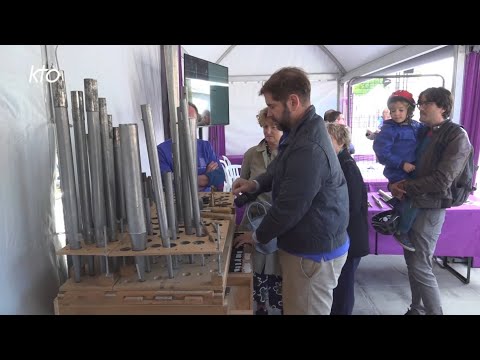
pixel 212 166
pixel 398 189
pixel 245 238
pixel 241 185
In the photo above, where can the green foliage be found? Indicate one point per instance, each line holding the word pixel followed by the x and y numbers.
pixel 366 86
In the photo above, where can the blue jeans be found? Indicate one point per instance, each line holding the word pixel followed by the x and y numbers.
pixel 344 293
pixel 407 214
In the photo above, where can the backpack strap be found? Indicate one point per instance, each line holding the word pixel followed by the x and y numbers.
pixel 445 137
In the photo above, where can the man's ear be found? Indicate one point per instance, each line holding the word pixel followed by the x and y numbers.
pixel 294 101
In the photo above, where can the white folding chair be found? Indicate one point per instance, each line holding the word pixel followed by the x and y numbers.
pixel 227 160
pixel 233 172
pixel 227 184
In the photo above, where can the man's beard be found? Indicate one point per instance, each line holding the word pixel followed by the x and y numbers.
pixel 283 123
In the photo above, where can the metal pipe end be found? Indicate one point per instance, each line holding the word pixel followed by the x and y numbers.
pixel 146 112
pixel 110 127
pixel 75 97
pixel 116 136
pixel 102 105
pixel 91 94
pixel 59 92
pixel 81 106
pixel 102 109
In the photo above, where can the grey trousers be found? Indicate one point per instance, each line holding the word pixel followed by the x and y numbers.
pixel 307 287
pixel 424 235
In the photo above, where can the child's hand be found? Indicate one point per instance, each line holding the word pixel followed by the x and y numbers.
pixel 407 167
pixel 371 135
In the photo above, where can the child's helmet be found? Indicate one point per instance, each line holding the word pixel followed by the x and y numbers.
pixel 402 95
pixel 386 222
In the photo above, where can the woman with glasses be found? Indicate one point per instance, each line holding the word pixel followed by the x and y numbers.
pixel 395 147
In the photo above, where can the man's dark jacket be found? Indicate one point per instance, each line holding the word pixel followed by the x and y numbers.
pixel 310 198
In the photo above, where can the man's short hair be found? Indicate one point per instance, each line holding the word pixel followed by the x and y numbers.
pixel 332 116
pixel 327 112
pixel 441 97
pixel 287 81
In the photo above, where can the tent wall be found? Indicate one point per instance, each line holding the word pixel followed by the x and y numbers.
pixel 29 271
pixel 128 76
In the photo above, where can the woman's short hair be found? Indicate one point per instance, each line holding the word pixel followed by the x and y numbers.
pixel 262 116
pixel 340 133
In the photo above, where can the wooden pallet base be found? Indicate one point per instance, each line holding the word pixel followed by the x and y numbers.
pixel 194 289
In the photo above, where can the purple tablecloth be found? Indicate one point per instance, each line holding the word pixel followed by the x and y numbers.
pixel 239 214
pixel 460 233
pixel 375 185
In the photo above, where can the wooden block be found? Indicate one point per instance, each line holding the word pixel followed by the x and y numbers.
pixel 222 202
pixel 135 309
pixel 183 245
pixel 90 282
pixel 187 277
pixel 87 249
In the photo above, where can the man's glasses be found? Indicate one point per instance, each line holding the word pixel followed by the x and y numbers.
pixel 422 103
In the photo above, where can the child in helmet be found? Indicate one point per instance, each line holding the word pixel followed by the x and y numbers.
pixel 395 147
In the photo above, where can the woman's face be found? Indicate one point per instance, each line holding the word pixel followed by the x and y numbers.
pixel 340 119
pixel 271 132
pixel 386 114
pixel 192 114
pixel 338 147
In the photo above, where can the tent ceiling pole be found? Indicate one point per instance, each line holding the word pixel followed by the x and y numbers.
pixel 225 53
pixel 333 58
pixel 398 56
pixel 265 77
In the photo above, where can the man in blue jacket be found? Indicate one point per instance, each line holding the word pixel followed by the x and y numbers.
pixel 210 173
pixel 310 210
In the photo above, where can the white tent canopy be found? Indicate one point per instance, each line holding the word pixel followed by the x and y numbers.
pixel 251 60
pixel 328 66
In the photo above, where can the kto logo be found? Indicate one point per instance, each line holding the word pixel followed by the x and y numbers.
pixel 51 75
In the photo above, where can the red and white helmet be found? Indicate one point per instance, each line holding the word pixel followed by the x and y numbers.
pixel 402 95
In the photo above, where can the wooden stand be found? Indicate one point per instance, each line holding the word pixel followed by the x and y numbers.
pixel 195 289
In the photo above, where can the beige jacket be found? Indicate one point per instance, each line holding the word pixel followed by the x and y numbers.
pixel 255 162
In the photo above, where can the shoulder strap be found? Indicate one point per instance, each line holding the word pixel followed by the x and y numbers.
pixel 444 138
